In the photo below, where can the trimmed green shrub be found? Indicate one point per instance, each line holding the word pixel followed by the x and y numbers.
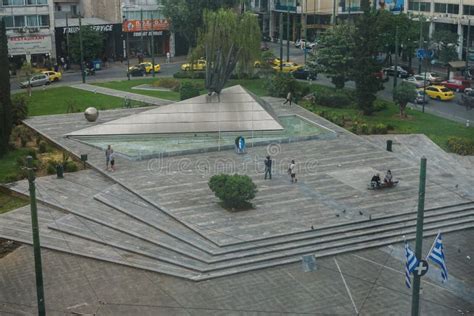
pixel 19 108
pixel 188 90
pixel 42 147
pixel 23 133
pixel 282 83
pixel 70 166
pixel 461 146
pixel 334 99
pixel 190 75
pixel 235 191
pixel 378 129
pixel 363 129
pixel 168 83
pixel 380 105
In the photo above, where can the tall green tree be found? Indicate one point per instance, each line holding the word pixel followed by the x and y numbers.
pixel 92 43
pixel 228 38
pixel 402 94
pixel 186 16
pixel 446 43
pixel 5 101
pixel 366 47
pixel 335 58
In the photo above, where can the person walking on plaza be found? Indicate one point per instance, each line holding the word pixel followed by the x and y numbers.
pixel 292 171
pixel 268 168
pixel 108 153
pixel 112 159
pixel 289 98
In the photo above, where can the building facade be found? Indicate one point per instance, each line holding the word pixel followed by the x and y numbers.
pixel 309 18
pixel 144 24
pixel 30 30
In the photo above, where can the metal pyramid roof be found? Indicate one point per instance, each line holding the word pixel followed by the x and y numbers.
pixel 238 110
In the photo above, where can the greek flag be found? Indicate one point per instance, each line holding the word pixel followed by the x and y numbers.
pixel 412 262
pixel 436 254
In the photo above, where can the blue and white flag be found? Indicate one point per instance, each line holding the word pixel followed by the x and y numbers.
pixel 436 254
pixel 412 262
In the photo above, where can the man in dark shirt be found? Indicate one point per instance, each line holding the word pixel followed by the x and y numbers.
pixel 268 167
pixel 376 180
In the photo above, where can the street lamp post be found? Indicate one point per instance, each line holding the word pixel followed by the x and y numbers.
pixel 467 43
pixel 152 48
pixel 83 70
pixel 287 32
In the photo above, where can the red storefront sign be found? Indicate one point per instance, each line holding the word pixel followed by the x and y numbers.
pixel 136 25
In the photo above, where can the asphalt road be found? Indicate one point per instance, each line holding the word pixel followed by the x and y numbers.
pixel 117 71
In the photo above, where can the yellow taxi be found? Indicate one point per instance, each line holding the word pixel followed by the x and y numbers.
pixel 286 67
pixel 439 93
pixel 199 64
pixel 53 75
pixel 276 62
pixel 149 66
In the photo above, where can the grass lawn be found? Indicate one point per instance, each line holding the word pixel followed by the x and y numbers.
pixel 436 128
pixel 255 86
pixel 59 99
pixel 8 203
pixel 8 165
pixel 127 85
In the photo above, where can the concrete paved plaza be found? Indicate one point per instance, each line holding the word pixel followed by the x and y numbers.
pixel 134 241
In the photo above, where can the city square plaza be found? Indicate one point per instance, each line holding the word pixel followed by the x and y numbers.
pixel 151 238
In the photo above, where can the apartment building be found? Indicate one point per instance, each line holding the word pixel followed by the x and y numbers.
pixel 144 20
pixel 309 18
pixel 30 30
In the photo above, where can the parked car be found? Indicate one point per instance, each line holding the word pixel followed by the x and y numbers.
pixel 300 43
pixel 400 72
pixel 416 80
pixel 456 84
pixel 421 97
pixel 381 75
pixel 36 81
pixel 286 67
pixel 304 73
pixel 149 66
pixel 439 93
pixel 199 65
pixel 53 75
pixel 137 70
pixel 432 78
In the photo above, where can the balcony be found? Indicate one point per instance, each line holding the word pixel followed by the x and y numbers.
pixel 280 7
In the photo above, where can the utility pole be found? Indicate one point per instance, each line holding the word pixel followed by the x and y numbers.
pixel 83 70
pixel 141 33
pixel 415 303
pixel 421 40
pixel 152 47
pixel 67 40
pixel 334 12
pixel 281 41
pixel 287 32
pixel 396 59
pixel 305 31
pixel 466 71
pixel 127 51
pixel 36 239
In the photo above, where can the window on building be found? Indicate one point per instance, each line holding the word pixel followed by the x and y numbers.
pixel 468 10
pixel 19 21
pixel 453 8
pixel 43 20
pixel 32 20
pixel 13 2
pixel 419 6
pixel 8 21
pixel 440 7
pixel 74 10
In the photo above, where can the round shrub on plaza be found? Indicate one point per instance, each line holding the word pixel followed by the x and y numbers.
pixel 461 146
pixel 188 90
pixel 334 99
pixel 235 191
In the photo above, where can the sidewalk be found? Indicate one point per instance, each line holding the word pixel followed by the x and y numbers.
pixel 121 94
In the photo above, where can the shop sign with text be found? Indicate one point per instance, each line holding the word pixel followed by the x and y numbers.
pixel 136 25
pixel 27 45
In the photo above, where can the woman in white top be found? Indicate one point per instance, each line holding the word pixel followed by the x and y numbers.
pixel 292 171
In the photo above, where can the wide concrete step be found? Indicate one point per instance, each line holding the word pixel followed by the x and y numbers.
pixel 90 249
pixel 278 252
